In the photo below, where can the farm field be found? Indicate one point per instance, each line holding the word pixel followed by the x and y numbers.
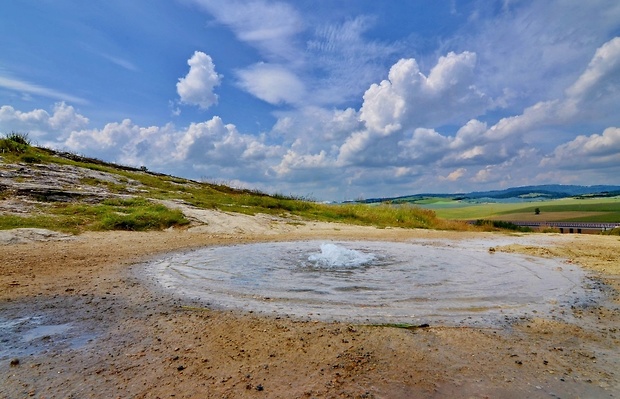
pixel 602 210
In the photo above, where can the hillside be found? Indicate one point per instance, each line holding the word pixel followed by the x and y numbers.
pixel 513 194
pixel 42 188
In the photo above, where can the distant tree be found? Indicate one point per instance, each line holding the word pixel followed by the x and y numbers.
pixel 537 211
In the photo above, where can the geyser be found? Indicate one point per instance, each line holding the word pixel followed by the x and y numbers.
pixel 372 282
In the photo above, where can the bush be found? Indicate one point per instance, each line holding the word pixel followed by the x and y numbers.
pixel 500 224
pixel 30 158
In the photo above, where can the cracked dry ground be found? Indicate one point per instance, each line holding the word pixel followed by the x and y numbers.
pixel 79 323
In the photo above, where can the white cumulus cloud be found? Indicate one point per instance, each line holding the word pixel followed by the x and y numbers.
pixel 124 142
pixel 196 88
pixel 596 150
pixel 39 123
pixel 274 84
pixel 409 99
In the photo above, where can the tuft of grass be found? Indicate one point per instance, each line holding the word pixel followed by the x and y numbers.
pixel 138 215
pixel 50 222
pixel 19 138
pixel 15 143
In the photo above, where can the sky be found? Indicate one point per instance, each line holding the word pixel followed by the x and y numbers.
pixel 330 100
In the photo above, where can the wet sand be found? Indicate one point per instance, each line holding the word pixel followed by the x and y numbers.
pixel 76 321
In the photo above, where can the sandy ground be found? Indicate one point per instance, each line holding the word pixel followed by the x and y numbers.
pixel 77 322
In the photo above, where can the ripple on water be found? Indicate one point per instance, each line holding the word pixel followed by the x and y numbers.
pixel 374 282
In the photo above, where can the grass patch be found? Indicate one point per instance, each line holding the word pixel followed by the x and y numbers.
pixel 136 214
pixel 604 210
pixel 50 222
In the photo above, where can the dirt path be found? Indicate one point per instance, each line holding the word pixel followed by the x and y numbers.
pixel 75 322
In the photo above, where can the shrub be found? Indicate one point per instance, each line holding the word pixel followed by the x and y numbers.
pixel 27 158
pixel 500 224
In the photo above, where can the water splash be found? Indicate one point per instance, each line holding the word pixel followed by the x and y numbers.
pixel 337 256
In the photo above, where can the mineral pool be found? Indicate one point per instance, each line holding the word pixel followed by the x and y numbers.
pixel 373 282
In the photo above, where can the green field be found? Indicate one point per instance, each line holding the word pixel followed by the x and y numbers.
pixel 603 210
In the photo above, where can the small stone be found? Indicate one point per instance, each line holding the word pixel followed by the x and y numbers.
pixel 14 362
pixel 181 368
pixel 259 387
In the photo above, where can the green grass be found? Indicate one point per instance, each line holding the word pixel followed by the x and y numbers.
pixel 608 207
pixel 137 214
pixel 64 224
pixel 14 143
pixel 572 205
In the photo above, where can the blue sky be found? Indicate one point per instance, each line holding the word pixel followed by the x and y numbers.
pixel 329 99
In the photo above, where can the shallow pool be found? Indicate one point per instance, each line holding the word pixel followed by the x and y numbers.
pixel 373 282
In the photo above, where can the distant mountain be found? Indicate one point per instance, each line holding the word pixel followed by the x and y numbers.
pixel 549 191
pixel 524 194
